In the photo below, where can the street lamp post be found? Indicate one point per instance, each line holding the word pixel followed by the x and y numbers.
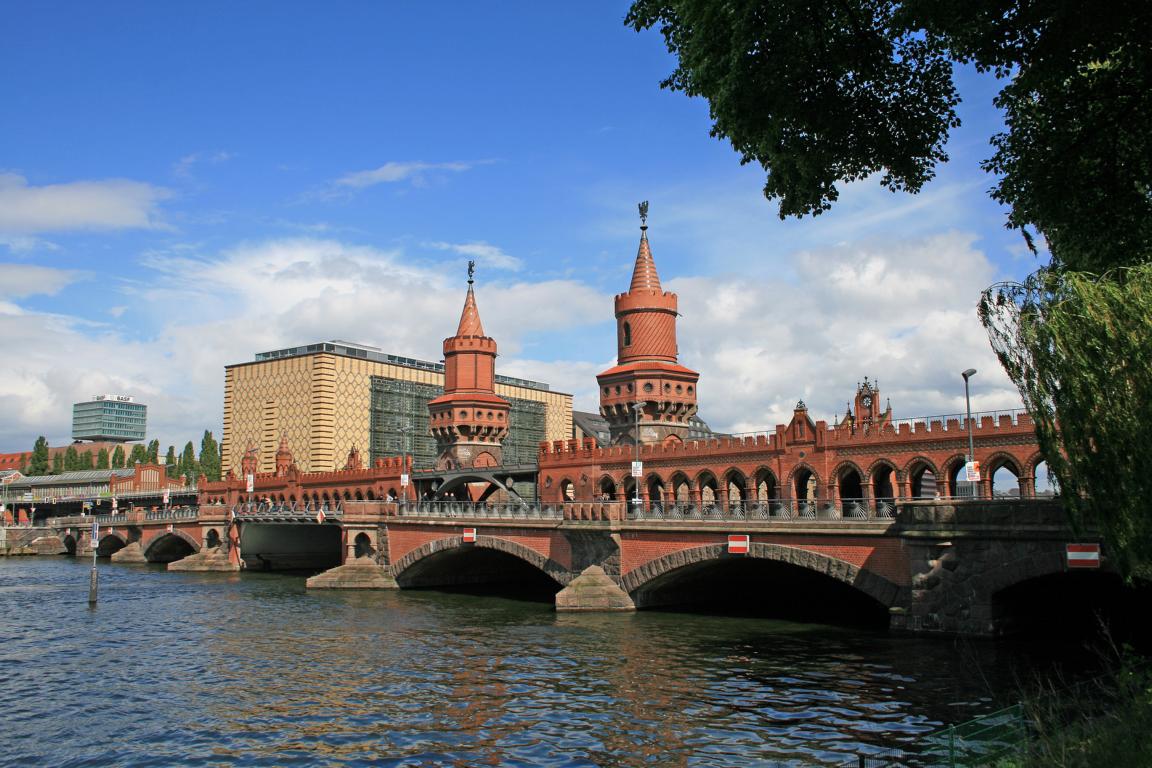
pixel 638 407
pixel 405 430
pixel 968 409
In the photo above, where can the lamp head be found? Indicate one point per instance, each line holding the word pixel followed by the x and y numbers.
pixel 968 373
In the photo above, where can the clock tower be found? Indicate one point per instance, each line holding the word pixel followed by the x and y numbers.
pixel 868 403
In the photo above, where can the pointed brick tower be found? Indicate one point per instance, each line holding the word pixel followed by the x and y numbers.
pixel 469 421
pixel 283 456
pixel 647 371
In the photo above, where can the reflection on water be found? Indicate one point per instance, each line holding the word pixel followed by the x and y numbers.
pixel 251 669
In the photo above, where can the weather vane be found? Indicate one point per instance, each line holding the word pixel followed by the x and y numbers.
pixel 471 270
pixel 644 213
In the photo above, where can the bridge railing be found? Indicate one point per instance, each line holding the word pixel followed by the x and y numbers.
pixel 292 511
pixel 770 510
pixel 481 510
pixel 172 513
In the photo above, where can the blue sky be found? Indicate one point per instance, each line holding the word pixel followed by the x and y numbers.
pixel 183 185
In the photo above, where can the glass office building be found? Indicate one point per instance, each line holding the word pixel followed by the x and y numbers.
pixel 399 423
pixel 114 418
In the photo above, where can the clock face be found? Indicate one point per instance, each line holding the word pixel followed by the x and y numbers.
pixel 867 401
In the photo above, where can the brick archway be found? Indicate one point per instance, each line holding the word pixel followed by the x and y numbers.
pixel 550 567
pixel 875 586
pixel 177 533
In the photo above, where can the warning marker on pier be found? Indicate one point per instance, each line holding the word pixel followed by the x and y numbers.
pixel 1083 555
pixel 738 543
pixel 469 535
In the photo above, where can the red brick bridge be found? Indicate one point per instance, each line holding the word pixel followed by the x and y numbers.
pixel 922 565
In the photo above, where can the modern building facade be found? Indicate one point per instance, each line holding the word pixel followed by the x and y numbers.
pixel 330 397
pixel 112 418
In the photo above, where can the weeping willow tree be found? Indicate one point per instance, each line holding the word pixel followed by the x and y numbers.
pixel 1079 348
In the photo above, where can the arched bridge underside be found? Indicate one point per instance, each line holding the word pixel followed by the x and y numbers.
pixel 769 576
pixel 453 562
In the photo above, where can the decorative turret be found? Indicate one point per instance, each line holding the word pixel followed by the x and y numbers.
pixel 249 462
pixel 647 374
pixel 469 421
pixel 353 461
pixel 283 456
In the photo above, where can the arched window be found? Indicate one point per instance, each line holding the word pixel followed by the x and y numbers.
pixel 627 335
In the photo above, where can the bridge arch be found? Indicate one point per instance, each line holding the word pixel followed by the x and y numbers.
pixel 735 484
pixel 110 543
pixel 408 568
pixel 798 481
pixel 641 583
pixel 681 486
pixel 765 484
pixel 607 486
pixel 169 546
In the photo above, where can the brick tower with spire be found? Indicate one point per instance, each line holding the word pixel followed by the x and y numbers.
pixel 647 372
pixel 469 421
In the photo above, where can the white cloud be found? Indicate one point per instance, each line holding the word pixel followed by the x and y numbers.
pixel 182 168
pixel 104 204
pixel 25 244
pixel 903 312
pixel 392 172
pixel 21 280
pixel 491 256
pixel 221 308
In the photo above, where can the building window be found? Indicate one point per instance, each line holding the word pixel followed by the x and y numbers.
pixel 627 335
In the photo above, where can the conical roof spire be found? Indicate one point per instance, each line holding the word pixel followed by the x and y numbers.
pixel 470 324
pixel 644 275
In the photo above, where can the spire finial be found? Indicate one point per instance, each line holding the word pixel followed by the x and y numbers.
pixel 471 270
pixel 644 215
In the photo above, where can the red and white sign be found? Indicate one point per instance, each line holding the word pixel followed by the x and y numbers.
pixel 469 535
pixel 972 471
pixel 637 469
pixel 250 483
pixel 738 543
pixel 169 527
pixel 1083 555
pixel 320 516
pixel 166 496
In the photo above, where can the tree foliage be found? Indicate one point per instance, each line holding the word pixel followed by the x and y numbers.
pixel 102 459
pixel 39 465
pixel 71 459
pixel 139 454
pixel 118 457
pixel 188 466
pixel 209 456
pixel 1080 349
pixel 57 463
pixel 170 462
pixel 820 93
pixel 154 452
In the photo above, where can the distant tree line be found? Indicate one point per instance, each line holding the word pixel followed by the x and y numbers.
pixel 188 464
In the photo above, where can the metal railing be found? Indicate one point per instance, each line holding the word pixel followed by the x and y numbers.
pixel 288 511
pixel 482 510
pixel 173 513
pixel 767 510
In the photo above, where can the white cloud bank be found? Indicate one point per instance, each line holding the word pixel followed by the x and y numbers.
pixel 392 172
pixel 901 312
pixel 104 204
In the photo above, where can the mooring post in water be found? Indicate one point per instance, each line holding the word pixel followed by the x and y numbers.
pixel 94 579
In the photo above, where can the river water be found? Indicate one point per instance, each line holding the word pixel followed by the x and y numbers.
pixel 251 669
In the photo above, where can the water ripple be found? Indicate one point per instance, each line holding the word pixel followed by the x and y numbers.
pixel 252 670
